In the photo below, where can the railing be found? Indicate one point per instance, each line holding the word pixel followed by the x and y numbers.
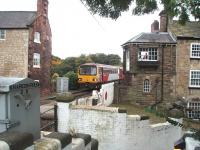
pixel 52 121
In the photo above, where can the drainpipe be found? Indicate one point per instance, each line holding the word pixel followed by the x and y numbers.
pixel 162 81
pixel 162 75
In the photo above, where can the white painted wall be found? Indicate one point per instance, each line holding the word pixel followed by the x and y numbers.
pixel 103 100
pixel 117 131
pixel 107 89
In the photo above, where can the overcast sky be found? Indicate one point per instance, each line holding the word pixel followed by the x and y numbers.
pixel 75 31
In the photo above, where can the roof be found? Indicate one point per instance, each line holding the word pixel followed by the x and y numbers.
pixel 16 19
pixel 157 37
pixel 190 29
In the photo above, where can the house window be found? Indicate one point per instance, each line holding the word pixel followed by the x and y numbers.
pixel 195 78
pixel 146 87
pixel 37 37
pixel 195 50
pixel 2 34
pixel 148 54
pixel 127 60
pixel 36 60
pixel 193 111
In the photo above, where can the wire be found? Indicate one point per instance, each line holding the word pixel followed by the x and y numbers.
pixel 93 16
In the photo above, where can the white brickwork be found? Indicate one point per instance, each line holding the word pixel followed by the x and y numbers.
pixel 117 131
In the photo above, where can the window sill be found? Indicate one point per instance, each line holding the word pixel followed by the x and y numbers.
pixel 194 57
pixel 194 87
pixel 38 42
pixel 36 67
pixel 148 63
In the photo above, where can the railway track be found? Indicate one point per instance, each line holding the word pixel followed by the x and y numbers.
pixel 82 93
pixel 77 94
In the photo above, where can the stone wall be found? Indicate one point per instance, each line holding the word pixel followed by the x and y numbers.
pixel 116 131
pixel 184 65
pixel 14 53
pixel 154 74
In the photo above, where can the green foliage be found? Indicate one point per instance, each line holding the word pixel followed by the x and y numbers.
pixel 110 59
pixel 53 81
pixel 54 77
pixel 114 8
pixel 73 80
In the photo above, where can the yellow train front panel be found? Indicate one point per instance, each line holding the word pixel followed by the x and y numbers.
pixel 84 79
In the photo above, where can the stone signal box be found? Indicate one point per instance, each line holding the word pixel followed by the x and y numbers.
pixel 20 105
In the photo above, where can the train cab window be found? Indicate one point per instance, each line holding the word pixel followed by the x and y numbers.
pixel 88 70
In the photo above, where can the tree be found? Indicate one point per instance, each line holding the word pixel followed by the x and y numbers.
pixel 111 59
pixel 114 8
pixel 114 59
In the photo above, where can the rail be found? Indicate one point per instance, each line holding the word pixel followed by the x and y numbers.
pixel 53 121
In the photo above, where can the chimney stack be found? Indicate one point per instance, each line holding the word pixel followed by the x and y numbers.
pixel 155 26
pixel 163 21
pixel 42 7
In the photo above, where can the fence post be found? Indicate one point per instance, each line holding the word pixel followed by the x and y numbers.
pixel 55 118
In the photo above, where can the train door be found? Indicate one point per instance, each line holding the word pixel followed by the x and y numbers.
pixel 100 76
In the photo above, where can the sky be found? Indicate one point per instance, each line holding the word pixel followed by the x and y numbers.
pixel 75 31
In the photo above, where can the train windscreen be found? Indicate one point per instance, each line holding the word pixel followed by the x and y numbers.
pixel 88 70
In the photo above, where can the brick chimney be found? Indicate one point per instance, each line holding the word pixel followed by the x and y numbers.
pixel 42 7
pixel 163 21
pixel 155 26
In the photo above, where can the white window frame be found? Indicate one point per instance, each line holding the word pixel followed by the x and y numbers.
pixel 36 60
pixel 146 86
pixel 127 53
pixel 195 49
pixel 37 37
pixel 147 54
pixel 2 34
pixel 197 77
pixel 194 113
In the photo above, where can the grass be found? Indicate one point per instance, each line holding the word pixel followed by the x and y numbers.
pixel 139 110
pixel 154 116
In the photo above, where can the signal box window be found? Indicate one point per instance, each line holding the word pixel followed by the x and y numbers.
pixel 36 60
pixel 2 34
pixel 148 54
pixel 127 60
pixel 88 70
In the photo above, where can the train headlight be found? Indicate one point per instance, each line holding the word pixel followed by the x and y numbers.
pixel 79 79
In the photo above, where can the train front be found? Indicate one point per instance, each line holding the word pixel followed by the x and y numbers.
pixel 88 75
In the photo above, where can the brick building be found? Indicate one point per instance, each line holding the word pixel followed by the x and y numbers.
pixel 164 64
pixel 25 44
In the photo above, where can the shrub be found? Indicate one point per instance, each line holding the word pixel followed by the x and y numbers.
pixel 73 80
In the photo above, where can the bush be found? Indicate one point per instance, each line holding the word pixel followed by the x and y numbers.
pixel 73 80
pixel 53 81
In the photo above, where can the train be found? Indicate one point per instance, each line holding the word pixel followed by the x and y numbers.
pixel 97 74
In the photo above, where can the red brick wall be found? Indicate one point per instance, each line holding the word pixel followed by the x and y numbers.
pixel 41 25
